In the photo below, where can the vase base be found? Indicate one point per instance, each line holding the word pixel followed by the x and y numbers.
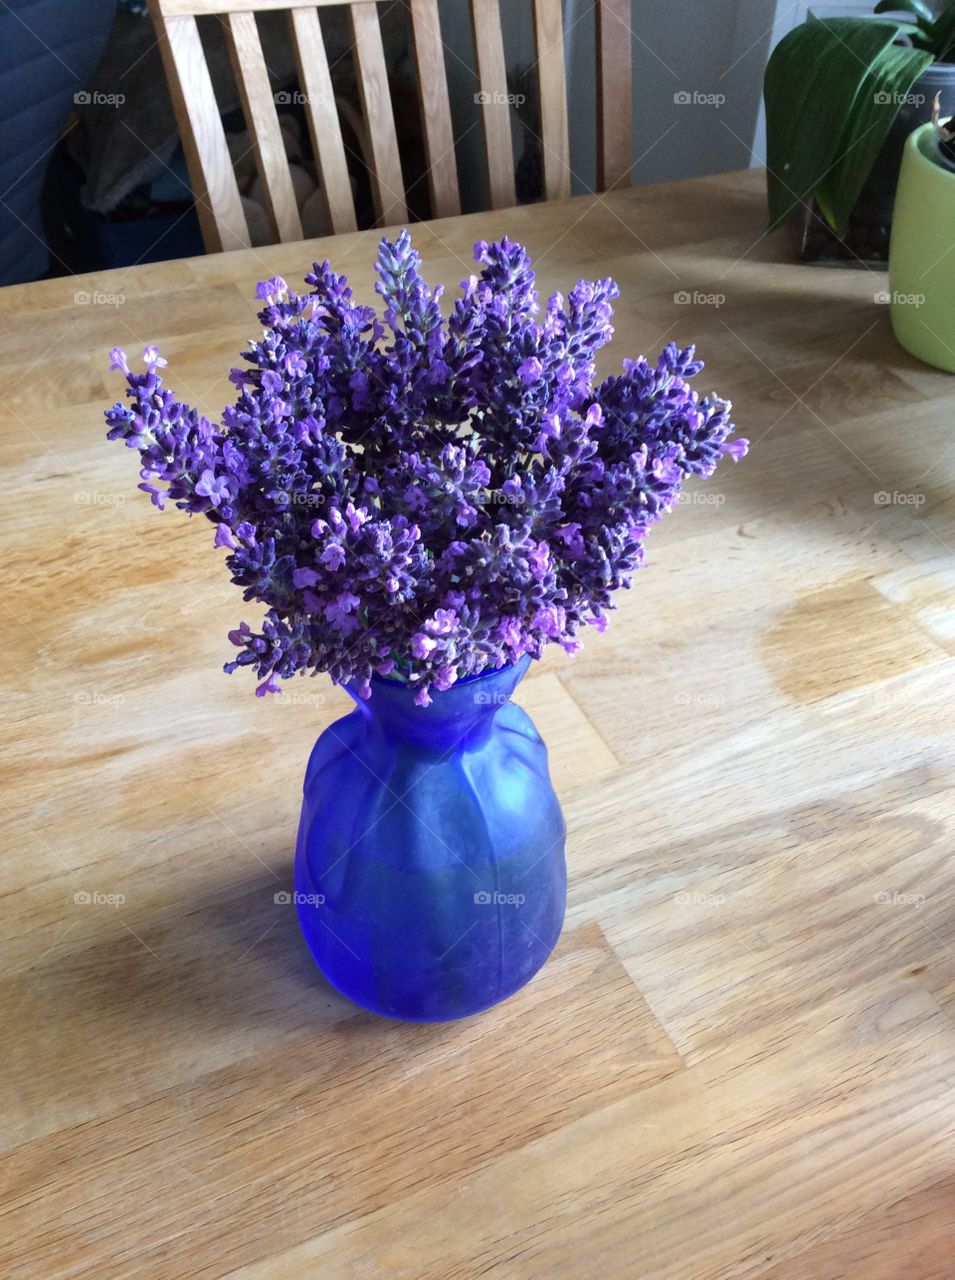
pixel 393 1016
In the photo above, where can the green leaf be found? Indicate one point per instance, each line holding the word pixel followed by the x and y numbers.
pixel 874 108
pixel 944 32
pixel 825 122
pixel 918 7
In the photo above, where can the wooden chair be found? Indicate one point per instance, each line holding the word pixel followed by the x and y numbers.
pixel 218 202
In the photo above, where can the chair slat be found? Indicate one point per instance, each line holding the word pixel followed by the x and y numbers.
pixel 614 124
pixel 386 180
pixel 216 192
pixel 175 8
pixel 495 108
pixel 435 108
pixel 262 119
pixel 323 123
pixel 549 37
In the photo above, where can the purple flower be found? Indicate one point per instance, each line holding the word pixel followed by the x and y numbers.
pixel 270 290
pixel 333 556
pixel 422 645
pixel 152 359
pixel 215 488
pixel 421 498
pixel 338 611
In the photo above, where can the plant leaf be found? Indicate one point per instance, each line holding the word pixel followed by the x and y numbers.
pixel 944 31
pixel 874 108
pixel 918 7
pixel 815 87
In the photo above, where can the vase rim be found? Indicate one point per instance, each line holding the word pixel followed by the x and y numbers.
pixel 523 661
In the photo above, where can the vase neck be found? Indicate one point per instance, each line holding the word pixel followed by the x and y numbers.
pixel 462 714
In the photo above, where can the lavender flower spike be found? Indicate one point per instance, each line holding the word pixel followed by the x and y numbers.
pixel 426 498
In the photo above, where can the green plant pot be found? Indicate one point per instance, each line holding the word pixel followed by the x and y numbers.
pixel 922 254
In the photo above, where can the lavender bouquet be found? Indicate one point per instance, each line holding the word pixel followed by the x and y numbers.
pixel 426 499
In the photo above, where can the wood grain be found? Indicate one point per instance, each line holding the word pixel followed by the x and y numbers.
pixel 614 124
pixel 435 108
pixel 252 77
pixel 321 112
pixel 386 181
pixel 555 141
pixel 494 100
pixel 218 204
pixel 737 1065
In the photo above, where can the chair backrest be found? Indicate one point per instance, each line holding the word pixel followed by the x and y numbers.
pixel 216 190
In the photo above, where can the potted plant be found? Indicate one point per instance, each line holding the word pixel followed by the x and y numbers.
pixel 842 95
pixel 422 506
pixel 921 264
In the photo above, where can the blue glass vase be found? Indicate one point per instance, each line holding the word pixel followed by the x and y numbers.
pixel 429 873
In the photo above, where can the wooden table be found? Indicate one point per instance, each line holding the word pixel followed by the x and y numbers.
pixel 740 1061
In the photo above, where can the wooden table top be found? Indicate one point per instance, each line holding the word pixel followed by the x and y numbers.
pixel 739 1061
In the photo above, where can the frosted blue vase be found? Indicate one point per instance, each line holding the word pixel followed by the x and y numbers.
pixel 429 874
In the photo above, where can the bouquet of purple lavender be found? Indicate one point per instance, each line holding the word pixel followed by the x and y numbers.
pixel 424 499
